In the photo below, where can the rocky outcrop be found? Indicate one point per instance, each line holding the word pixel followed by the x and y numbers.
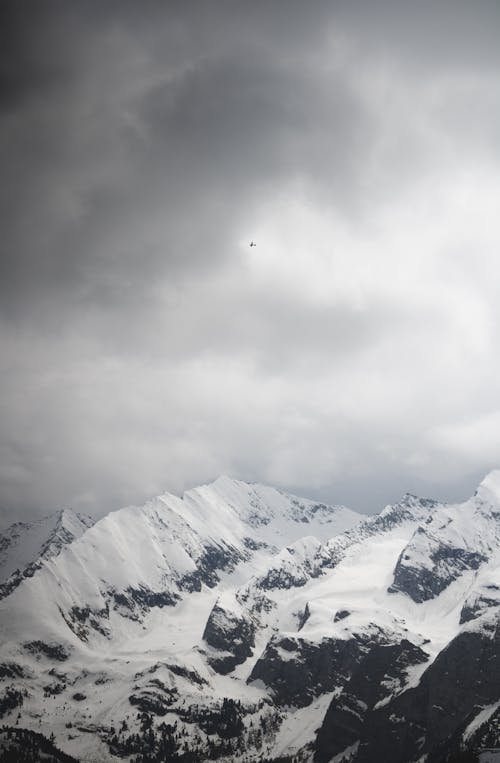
pixel 380 673
pixel 430 718
pixel 52 651
pixel 479 602
pixel 212 561
pixel 297 670
pixel 426 577
pixel 231 636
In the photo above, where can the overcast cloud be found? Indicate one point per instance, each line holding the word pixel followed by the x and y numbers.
pixel 353 354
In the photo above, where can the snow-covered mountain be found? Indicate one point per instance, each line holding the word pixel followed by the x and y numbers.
pixel 242 623
pixel 24 545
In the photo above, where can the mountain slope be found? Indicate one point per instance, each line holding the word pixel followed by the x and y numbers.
pixel 136 559
pixel 23 546
pixel 240 623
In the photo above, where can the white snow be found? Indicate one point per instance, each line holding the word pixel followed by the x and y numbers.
pixel 482 716
pixel 489 488
pixel 301 725
pixel 346 755
pixel 26 543
pixel 154 546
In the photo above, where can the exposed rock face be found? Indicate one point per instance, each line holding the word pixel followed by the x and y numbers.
pixel 297 670
pixel 424 720
pixel 379 673
pixel 133 602
pixel 427 566
pixel 479 602
pixel 51 651
pixel 214 559
pixel 341 614
pixel 232 635
pixel 156 698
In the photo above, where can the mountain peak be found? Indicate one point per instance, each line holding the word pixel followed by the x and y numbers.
pixel 410 507
pixel 73 521
pixel 225 480
pixel 489 488
pixel 24 546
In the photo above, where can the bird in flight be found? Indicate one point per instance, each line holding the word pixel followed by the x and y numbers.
pixel 252 243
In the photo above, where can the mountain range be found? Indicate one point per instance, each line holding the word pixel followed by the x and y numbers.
pixel 241 623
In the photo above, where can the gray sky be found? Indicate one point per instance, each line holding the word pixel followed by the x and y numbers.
pixel 353 353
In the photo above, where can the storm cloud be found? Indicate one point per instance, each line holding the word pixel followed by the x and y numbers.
pixel 352 354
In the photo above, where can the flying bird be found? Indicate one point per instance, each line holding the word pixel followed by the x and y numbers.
pixel 252 243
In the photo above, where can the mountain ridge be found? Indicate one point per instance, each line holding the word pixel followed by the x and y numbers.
pixel 24 545
pixel 239 621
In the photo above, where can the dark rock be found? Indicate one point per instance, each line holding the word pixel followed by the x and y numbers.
pixel 134 603
pixel 255 602
pixel 279 578
pixel 214 559
pixel 102 680
pixel 478 604
pixel 341 614
pixel 303 617
pixel 429 718
pixel 58 674
pixel 189 675
pixel 422 583
pixel 155 702
pixel 254 545
pixel 13 670
pixel 53 651
pixel 52 690
pixel 379 672
pixel 307 669
pixel 232 635
pixel 80 620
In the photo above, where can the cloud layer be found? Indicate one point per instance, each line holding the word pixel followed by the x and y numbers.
pixel 352 354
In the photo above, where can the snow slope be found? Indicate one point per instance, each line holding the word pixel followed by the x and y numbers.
pixel 244 622
pixel 24 545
